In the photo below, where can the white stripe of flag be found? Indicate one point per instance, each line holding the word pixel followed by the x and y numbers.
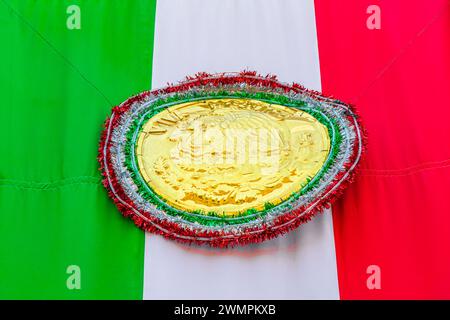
pixel 268 36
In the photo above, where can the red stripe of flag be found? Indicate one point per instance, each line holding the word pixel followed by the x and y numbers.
pixel 397 213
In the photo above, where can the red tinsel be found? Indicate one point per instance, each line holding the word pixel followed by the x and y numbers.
pixel 216 238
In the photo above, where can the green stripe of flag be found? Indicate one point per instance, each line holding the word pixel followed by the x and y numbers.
pixel 57 85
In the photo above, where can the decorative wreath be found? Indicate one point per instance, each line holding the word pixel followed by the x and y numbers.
pixel 228 159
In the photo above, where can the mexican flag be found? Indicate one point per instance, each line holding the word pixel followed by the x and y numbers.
pixel 66 63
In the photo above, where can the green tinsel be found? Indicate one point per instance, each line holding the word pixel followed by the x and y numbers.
pixel 213 218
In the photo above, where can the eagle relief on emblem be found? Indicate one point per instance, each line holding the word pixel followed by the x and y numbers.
pixel 228 159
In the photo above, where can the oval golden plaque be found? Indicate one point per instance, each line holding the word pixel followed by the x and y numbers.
pixel 230 155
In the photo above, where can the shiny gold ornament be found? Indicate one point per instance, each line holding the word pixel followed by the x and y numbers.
pixel 230 155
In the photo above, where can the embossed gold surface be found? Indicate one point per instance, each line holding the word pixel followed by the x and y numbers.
pixel 230 155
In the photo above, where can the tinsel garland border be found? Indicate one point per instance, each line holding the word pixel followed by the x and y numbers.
pixel 126 177
pixel 219 238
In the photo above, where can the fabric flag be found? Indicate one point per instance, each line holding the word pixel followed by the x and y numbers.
pixel 66 63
